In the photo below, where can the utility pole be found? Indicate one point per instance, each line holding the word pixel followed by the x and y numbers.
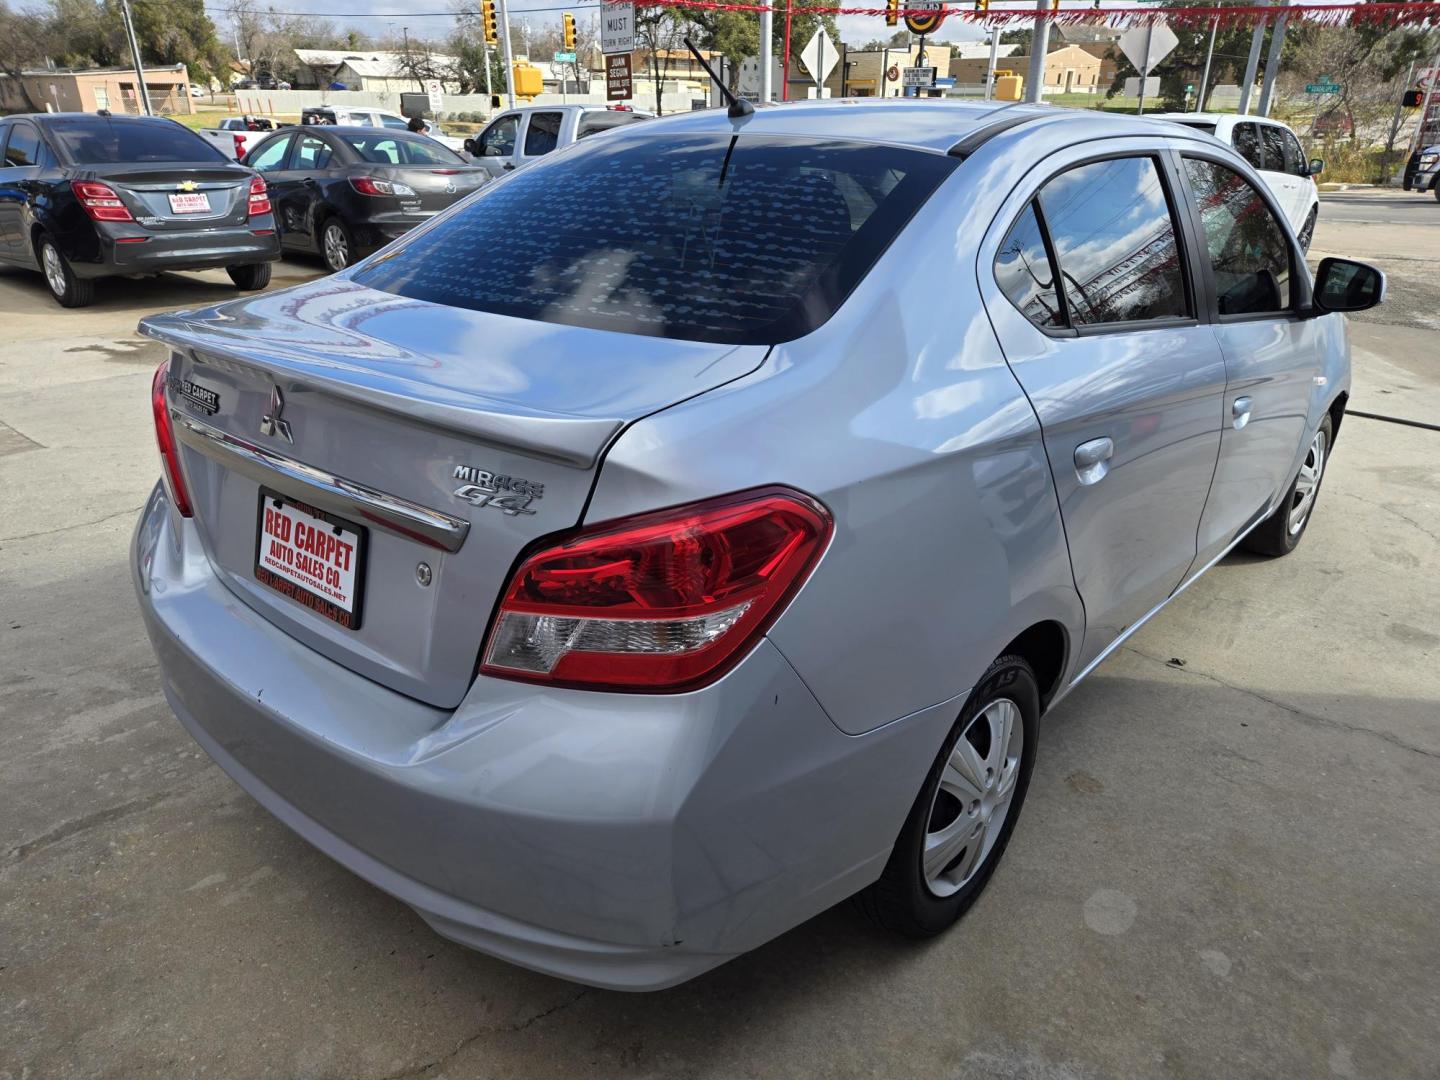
pixel 1252 65
pixel 509 58
pixel 135 54
pixel 1209 55
pixel 994 55
pixel 767 33
pixel 1272 65
pixel 1039 46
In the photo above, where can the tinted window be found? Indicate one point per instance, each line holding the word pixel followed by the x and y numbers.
pixel 397 149
pixel 1246 245
pixel 1114 240
pixel 1295 162
pixel 394 122
pixel 1207 126
pixel 1247 144
pixel 270 155
pixel 311 153
pixel 704 237
pixel 1022 267
pixel 498 140
pixel 1273 140
pixel 542 134
pixel 100 140
pixel 592 122
pixel 23 147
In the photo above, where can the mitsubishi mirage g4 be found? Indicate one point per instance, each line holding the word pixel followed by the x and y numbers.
pixel 707 552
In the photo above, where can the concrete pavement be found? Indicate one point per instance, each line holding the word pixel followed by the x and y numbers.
pixel 1228 864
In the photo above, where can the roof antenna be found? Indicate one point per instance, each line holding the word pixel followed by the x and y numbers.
pixel 739 107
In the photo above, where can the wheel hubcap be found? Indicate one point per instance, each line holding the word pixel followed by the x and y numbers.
pixel 337 254
pixel 54 269
pixel 1307 484
pixel 973 800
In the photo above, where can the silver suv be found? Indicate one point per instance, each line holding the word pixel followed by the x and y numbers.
pixel 625 593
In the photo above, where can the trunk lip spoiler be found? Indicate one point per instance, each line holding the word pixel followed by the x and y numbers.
pixel 328 491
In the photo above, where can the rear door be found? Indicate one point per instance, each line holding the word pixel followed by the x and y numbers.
pixel 270 159
pixel 541 136
pixel 1272 356
pixel 311 159
pixel 1279 172
pixel 1091 291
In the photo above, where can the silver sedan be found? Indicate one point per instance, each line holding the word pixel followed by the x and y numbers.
pixel 688 532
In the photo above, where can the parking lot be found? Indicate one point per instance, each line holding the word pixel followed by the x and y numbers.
pixel 1229 863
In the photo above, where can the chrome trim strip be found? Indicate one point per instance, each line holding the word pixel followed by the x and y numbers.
pixel 325 490
pixel 1138 623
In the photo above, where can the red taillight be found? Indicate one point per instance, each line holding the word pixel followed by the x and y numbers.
pixel 366 185
pixel 165 438
pixel 662 602
pixel 259 197
pixel 100 201
pixel 239 147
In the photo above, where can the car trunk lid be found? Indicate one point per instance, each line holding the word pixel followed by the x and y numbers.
pixel 181 197
pixel 445 437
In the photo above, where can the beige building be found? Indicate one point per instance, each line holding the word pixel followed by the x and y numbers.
pixel 1071 69
pixel 878 72
pixel 91 91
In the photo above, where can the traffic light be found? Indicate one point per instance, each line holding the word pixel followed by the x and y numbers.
pixel 982 6
pixel 1412 99
pixel 487 17
pixel 892 12
pixel 567 32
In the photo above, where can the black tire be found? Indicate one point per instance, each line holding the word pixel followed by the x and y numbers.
pixel 1277 535
pixel 249 278
pixel 1307 231
pixel 902 900
pixel 1435 189
pixel 68 290
pixel 332 263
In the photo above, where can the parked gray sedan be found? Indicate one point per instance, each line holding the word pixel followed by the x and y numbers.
pixel 623 594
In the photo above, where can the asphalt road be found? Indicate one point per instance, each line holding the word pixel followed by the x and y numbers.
pixel 1381 207
pixel 1228 865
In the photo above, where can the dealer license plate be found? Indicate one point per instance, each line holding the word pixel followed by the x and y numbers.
pixel 315 558
pixel 190 204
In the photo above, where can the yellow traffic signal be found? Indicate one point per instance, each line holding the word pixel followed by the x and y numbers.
pixel 982 5
pixel 487 18
pixel 892 12
pixel 567 31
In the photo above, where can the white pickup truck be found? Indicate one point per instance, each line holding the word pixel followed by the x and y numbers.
pixel 236 134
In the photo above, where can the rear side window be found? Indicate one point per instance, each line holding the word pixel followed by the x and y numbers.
pixel 311 153
pixel 1295 163
pixel 1247 144
pixel 1022 267
pixel 1113 236
pixel 542 134
pixel 23 147
pixel 744 240
pixel 269 156
pixel 394 122
pixel 1273 139
pixel 396 149
pixel 1247 247
pixel 101 140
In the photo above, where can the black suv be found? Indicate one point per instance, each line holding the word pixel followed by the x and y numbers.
pixel 87 196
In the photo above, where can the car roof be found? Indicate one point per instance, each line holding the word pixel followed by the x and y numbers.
pixel 1213 118
pixel 64 117
pixel 932 124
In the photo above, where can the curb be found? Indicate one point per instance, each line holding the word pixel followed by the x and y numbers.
pixel 1347 187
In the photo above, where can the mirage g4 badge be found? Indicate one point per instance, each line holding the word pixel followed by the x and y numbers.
pixel 509 494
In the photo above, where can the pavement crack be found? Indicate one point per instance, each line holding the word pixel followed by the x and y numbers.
pixel 82 824
pixel 1390 510
pixel 430 1066
pixel 1299 714
pixel 71 528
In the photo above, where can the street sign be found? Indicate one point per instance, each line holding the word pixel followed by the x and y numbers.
pixel 1322 88
pixel 617 28
pixel 930 21
pixel 564 58
pixel 436 93
pixel 917 76
pixel 1146 46
pixel 618 78
pixel 820 56
pixel 944 82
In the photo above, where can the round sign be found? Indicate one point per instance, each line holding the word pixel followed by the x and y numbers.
pixel 928 22
pixel 893 73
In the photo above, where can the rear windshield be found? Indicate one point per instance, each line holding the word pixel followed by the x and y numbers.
pixel 100 140
pixel 389 148
pixel 744 240
pixel 1208 127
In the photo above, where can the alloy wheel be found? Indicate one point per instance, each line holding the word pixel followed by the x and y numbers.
pixel 973 798
pixel 1307 484
pixel 337 248
pixel 54 269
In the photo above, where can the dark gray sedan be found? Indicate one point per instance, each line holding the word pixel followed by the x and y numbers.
pixel 342 192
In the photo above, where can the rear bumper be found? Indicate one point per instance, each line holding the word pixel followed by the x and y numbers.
pixel 199 250
pixel 624 841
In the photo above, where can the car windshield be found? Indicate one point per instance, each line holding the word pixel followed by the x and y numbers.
pixel 393 148
pixel 102 140
pixel 743 240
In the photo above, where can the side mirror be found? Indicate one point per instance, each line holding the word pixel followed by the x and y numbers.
pixel 470 147
pixel 1346 285
pixel 1317 166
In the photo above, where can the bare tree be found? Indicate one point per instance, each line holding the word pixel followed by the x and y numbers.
pixel 662 31
pixel 25 40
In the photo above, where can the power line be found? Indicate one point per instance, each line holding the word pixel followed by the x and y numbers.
pixel 395 17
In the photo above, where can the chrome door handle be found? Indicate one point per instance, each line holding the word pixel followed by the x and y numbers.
pixel 1240 412
pixel 1092 460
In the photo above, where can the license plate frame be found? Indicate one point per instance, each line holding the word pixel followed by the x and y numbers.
pixel 305 595
pixel 190 203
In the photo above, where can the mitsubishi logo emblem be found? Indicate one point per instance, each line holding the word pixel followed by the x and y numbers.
pixel 271 423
